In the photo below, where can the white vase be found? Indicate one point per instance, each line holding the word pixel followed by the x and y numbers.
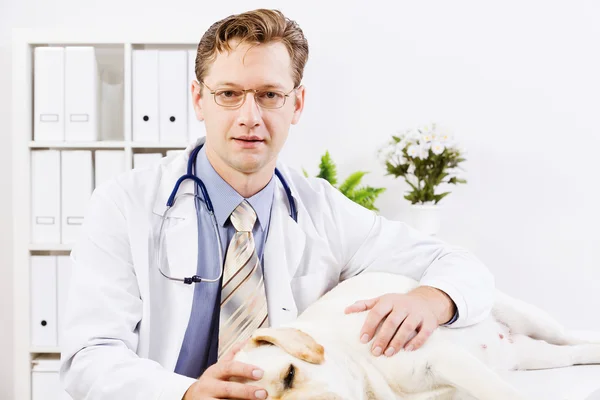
pixel 426 218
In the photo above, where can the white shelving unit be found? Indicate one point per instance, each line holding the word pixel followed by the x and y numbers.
pixel 24 42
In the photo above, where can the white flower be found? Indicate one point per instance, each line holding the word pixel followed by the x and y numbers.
pixel 424 151
pixel 437 148
pixel 404 143
pixel 412 136
pixel 386 152
pixel 398 151
pixel 413 150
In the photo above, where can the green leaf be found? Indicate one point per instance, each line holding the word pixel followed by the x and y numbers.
pixel 351 182
pixel 438 197
pixel 327 169
pixel 305 173
pixel 364 196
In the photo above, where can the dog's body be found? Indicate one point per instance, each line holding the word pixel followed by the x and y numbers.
pixel 330 363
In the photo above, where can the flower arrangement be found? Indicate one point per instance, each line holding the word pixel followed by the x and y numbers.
pixel 425 157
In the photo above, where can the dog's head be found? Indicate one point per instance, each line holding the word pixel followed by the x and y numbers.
pixel 297 367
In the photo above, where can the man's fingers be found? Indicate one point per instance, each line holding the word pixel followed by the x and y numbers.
pixel 224 370
pixel 361 305
pixel 425 332
pixel 374 318
pixel 404 333
pixel 234 350
pixel 387 331
pixel 235 390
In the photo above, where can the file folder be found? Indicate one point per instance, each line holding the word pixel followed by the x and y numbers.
pixel 49 94
pixel 146 160
pixel 45 380
pixel 76 172
pixel 43 301
pixel 111 112
pixel 174 152
pixel 172 109
pixel 145 95
pixel 63 277
pixel 109 164
pixel 82 90
pixel 196 128
pixel 45 196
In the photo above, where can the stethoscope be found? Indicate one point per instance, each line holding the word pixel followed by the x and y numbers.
pixel 191 175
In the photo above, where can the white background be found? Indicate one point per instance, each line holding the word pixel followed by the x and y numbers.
pixel 517 81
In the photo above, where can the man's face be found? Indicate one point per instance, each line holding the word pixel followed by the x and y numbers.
pixel 266 66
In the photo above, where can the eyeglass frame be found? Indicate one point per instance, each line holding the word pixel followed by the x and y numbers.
pixel 245 91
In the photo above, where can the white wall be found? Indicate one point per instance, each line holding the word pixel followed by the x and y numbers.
pixel 517 81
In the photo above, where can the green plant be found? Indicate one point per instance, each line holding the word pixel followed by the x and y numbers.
pixel 365 195
pixel 425 158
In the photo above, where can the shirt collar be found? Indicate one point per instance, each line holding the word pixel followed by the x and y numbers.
pixel 225 199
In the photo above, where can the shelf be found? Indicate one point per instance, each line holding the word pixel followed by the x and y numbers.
pixel 77 145
pixel 105 145
pixel 45 350
pixel 158 145
pixel 50 247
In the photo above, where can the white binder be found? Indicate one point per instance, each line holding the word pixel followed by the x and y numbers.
pixel 146 160
pixel 45 380
pixel 63 277
pixel 49 94
pixel 145 95
pixel 76 173
pixel 172 84
pixel 196 128
pixel 43 301
pixel 45 196
pixel 108 165
pixel 81 94
pixel 174 152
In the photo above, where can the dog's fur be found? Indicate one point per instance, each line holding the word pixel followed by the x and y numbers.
pixel 330 363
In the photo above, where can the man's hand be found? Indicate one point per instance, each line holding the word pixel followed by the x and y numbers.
pixel 214 382
pixel 407 320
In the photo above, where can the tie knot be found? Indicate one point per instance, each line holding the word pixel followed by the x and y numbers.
pixel 243 217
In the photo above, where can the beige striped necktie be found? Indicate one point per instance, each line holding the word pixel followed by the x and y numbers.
pixel 243 299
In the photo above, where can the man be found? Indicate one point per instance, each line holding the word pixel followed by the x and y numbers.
pixel 134 331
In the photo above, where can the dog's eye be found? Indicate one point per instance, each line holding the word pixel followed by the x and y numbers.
pixel 289 378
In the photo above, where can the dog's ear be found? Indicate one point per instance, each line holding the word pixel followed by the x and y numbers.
pixel 292 341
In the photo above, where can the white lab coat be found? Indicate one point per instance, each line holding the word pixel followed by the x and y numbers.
pixel 125 323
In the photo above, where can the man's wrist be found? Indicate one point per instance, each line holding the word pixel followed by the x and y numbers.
pixel 443 306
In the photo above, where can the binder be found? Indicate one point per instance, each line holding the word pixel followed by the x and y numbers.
pixel 172 83
pixel 43 301
pixel 174 152
pixel 108 165
pixel 82 90
pixel 45 380
pixel 63 277
pixel 49 94
pixel 145 95
pixel 146 160
pixel 196 128
pixel 45 196
pixel 111 112
pixel 76 173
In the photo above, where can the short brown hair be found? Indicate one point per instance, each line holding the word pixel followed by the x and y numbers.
pixel 253 27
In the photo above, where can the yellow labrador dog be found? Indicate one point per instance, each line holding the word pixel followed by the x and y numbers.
pixel 319 356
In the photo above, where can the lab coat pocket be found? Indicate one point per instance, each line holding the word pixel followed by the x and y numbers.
pixel 181 242
pixel 309 288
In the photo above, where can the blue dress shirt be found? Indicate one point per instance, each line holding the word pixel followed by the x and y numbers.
pixel 200 343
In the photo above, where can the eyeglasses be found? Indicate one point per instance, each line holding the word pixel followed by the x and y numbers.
pixel 232 98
